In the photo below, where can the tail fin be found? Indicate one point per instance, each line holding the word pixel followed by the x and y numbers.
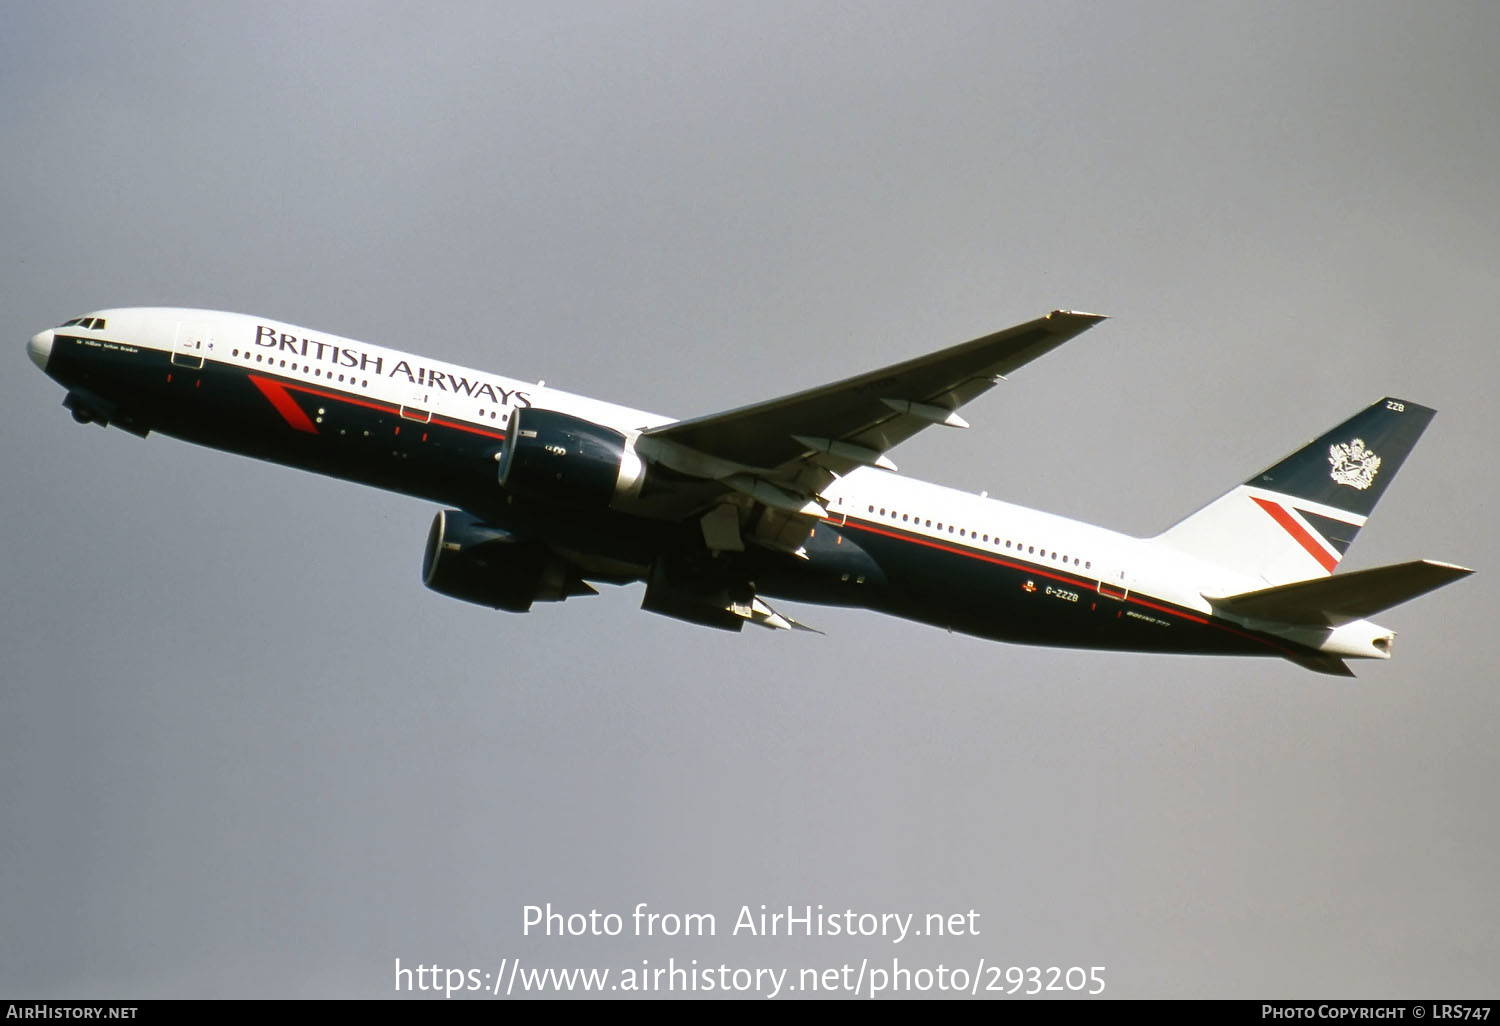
pixel 1295 520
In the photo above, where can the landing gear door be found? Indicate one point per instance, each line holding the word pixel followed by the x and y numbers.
pixel 192 344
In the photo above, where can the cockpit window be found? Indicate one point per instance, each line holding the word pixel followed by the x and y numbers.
pixel 91 323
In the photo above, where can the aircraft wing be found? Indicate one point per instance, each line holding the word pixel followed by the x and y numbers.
pixel 783 452
pixel 865 410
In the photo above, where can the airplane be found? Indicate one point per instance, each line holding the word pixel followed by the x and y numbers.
pixel 547 493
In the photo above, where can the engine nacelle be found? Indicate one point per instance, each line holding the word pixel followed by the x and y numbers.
pixel 558 458
pixel 470 560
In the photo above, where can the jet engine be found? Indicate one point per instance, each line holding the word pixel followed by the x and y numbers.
pixel 557 458
pixel 470 560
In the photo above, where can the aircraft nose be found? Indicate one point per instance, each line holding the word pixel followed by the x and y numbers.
pixel 40 347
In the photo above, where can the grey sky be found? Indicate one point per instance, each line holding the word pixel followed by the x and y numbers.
pixel 244 753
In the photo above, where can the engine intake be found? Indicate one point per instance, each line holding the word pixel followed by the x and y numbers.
pixel 558 458
pixel 471 560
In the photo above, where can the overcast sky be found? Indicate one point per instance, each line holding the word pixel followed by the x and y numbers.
pixel 243 752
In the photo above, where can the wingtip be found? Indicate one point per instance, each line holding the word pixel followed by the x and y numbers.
pixel 1078 315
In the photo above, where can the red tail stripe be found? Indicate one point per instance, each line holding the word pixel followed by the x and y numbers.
pixel 1279 514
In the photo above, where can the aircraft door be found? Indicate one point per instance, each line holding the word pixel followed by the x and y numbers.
pixel 418 407
pixel 191 345
pixel 1113 585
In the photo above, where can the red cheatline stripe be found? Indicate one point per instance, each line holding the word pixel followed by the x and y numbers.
pixel 284 403
pixel 1279 514
pixel 284 387
pixel 341 397
pixel 1134 600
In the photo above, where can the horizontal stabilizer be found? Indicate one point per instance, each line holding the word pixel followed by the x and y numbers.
pixel 1342 598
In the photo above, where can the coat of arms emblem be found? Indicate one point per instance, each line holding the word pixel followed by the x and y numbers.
pixel 1353 464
